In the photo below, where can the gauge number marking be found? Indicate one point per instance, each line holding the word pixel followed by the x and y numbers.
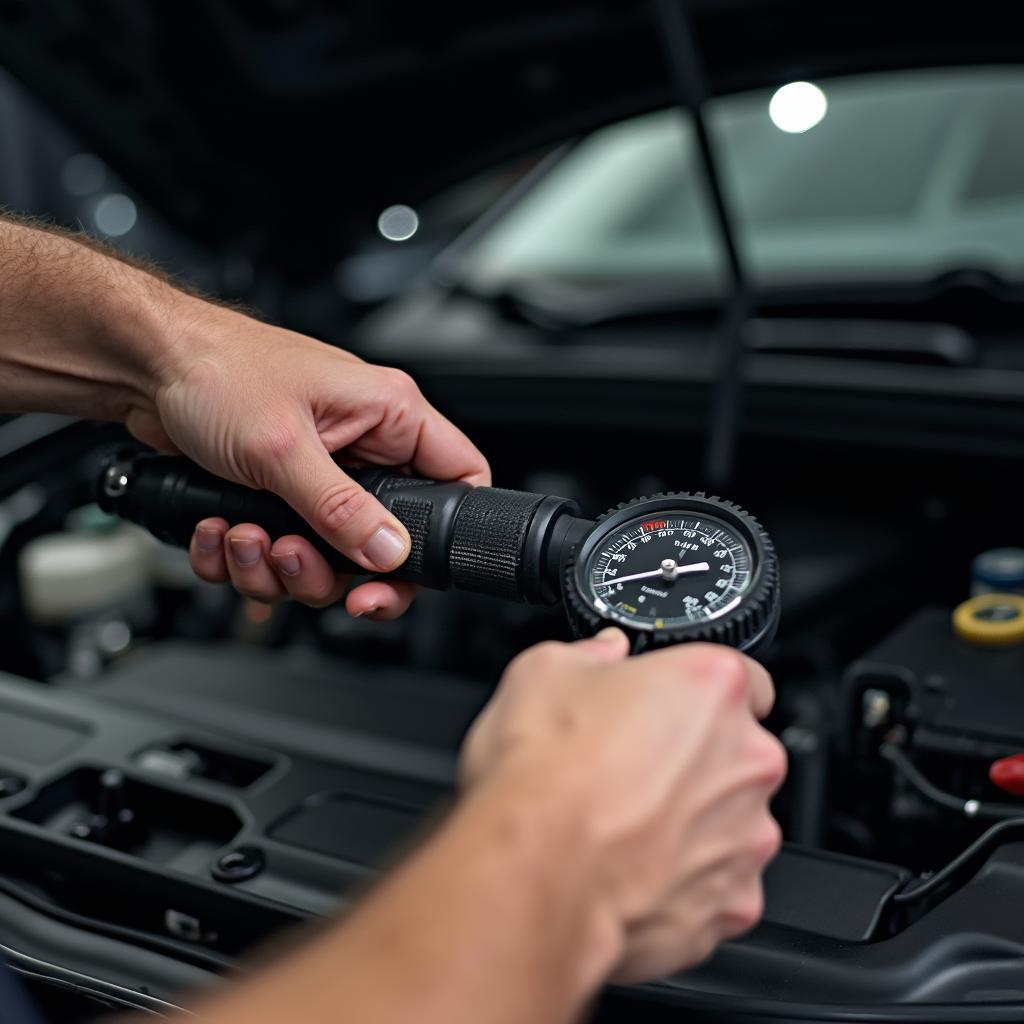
pixel 651 571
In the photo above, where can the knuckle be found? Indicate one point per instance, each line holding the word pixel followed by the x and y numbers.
pixel 339 505
pixel 538 662
pixel 769 760
pixel 723 669
pixel 541 657
pixel 768 841
pixel 400 383
pixel 518 666
pixel 321 595
pixel 272 444
pixel 748 911
pixel 398 387
pixel 715 659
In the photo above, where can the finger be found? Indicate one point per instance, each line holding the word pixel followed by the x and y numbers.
pixel 762 689
pixel 772 761
pixel 436 448
pixel 247 558
pixel 725 665
pixel 604 648
pixel 690 924
pixel 206 551
pixel 305 574
pixel 744 911
pixel 444 452
pixel 341 511
pixel 379 600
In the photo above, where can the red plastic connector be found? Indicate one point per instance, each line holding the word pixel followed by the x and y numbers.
pixel 1008 774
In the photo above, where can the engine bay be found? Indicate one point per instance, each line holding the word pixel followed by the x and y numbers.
pixel 187 774
pixel 614 277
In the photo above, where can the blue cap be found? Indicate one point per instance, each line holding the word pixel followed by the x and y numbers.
pixel 1001 569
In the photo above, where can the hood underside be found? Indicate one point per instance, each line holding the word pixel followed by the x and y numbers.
pixel 285 125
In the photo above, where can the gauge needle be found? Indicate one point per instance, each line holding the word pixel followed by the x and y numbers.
pixel 667 572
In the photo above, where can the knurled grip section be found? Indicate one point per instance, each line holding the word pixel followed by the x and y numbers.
pixel 415 515
pixel 488 539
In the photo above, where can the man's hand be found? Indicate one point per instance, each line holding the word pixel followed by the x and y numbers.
pixel 266 407
pixel 615 826
pixel 87 332
pixel 659 765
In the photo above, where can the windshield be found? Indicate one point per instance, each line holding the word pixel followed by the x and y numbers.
pixel 893 178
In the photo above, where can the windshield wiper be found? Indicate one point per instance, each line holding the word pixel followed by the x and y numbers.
pixel 689 79
pixel 896 341
pixel 560 311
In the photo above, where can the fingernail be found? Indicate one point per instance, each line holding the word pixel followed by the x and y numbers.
pixel 287 562
pixel 384 549
pixel 608 633
pixel 207 540
pixel 245 552
pixel 366 611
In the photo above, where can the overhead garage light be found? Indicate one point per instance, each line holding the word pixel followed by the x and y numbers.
pixel 115 215
pixel 398 223
pixel 797 107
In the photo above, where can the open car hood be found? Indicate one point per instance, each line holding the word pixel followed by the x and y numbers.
pixel 286 126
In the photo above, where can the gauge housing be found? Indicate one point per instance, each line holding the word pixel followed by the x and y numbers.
pixel 748 624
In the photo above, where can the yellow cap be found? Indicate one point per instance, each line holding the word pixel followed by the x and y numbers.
pixel 991 620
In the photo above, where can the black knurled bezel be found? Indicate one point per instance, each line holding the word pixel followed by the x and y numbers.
pixel 744 627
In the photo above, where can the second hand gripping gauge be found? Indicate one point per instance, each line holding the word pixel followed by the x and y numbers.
pixel 666 569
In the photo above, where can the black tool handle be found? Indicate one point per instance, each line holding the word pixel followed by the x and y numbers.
pixel 483 539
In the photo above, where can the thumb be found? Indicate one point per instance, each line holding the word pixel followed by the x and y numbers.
pixel 604 648
pixel 341 511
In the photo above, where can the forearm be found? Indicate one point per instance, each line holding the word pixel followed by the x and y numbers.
pixel 491 922
pixel 80 331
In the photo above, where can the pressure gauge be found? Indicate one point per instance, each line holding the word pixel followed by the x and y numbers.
pixel 674 568
pixel 667 569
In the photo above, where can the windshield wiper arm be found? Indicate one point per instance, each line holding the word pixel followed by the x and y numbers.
pixel 690 83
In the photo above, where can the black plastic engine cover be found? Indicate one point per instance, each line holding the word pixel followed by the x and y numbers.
pixel 363 770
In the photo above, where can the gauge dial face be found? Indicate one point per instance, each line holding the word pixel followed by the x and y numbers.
pixel 668 570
